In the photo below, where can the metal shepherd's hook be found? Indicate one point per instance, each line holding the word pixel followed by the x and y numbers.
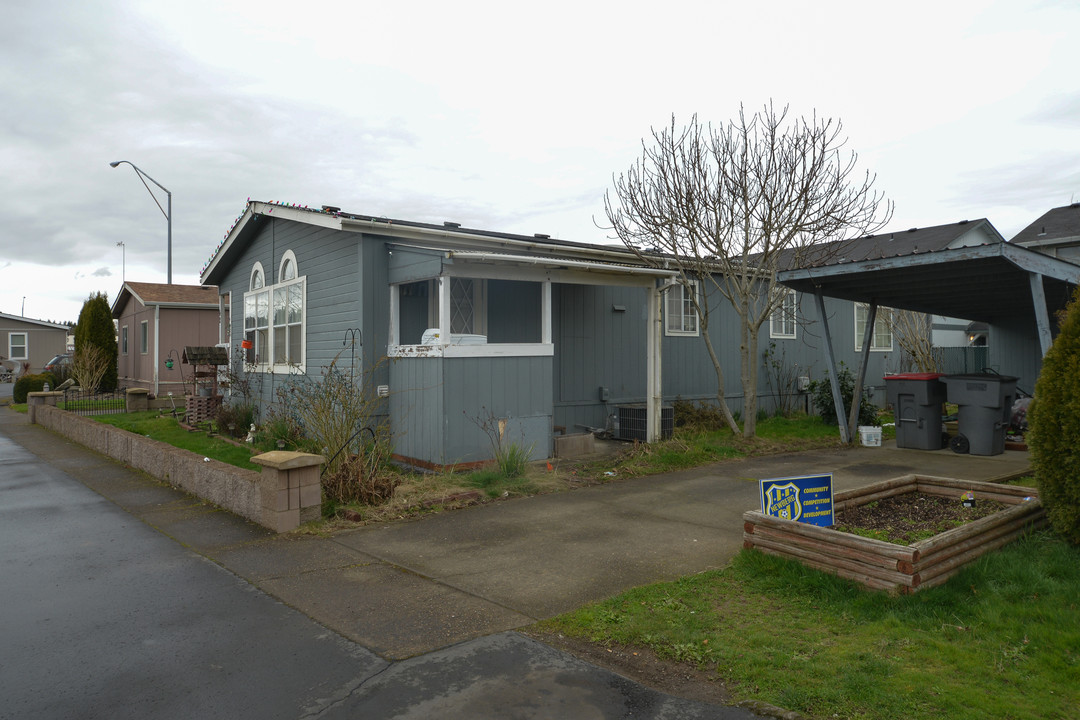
pixel 351 336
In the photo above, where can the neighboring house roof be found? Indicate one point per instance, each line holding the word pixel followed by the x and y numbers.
pixel 42 323
pixel 1059 226
pixel 966 233
pixel 165 295
pixel 448 234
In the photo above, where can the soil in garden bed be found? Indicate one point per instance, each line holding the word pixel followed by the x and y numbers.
pixel 908 518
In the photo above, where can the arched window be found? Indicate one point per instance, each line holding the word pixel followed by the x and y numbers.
pixel 274 317
pixel 258 278
pixel 287 269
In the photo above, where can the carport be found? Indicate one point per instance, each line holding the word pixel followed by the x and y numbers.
pixel 995 283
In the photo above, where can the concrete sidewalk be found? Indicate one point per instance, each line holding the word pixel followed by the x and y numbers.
pixel 407 588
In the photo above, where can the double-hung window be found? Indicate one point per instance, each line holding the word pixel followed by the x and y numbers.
pixel 882 339
pixel 679 312
pixel 17 346
pixel 274 317
pixel 782 321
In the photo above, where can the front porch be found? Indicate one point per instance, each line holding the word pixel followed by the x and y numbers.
pixel 472 354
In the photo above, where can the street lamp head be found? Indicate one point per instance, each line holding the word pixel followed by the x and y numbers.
pixel 114 164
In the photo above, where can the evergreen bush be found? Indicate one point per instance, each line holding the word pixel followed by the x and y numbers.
pixel 1054 428
pixel 96 328
pixel 27 384
pixel 821 395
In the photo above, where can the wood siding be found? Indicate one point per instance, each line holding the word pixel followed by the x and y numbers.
pixel 437 406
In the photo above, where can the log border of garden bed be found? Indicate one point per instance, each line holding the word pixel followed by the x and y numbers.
pixel 889 566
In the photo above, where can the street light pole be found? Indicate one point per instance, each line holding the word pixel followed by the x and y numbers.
pixel 168 214
pixel 123 255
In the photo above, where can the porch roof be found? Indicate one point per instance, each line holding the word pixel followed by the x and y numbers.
pixel 415 262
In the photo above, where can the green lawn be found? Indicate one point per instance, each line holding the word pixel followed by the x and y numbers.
pixel 1000 639
pixel 166 429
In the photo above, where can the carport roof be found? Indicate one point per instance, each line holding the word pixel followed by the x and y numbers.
pixel 988 283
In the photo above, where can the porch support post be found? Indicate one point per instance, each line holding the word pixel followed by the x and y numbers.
pixel 545 312
pixel 1042 317
pixel 830 359
pixel 444 310
pixel 395 319
pixel 654 393
pixel 864 358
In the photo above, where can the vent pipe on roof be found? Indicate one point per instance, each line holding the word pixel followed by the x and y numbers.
pixel 1043 231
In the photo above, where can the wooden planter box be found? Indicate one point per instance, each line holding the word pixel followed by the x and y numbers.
pixel 899 568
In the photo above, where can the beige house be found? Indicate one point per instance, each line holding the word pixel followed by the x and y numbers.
pixel 28 343
pixel 154 323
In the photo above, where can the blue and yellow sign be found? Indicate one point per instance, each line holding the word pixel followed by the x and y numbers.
pixel 805 499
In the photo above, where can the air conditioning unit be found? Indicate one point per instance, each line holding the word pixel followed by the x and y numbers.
pixel 633 418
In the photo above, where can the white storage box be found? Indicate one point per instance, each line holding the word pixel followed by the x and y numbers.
pixel 870 435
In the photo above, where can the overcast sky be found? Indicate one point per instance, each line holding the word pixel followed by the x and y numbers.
pixel 500 116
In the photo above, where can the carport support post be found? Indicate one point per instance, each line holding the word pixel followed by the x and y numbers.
pixel 654 396
pixel 834 381
pixel 1042 317
pixel 856 395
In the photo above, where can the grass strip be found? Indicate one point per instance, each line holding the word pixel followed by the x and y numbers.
pixel 1000 639
pixel 166 429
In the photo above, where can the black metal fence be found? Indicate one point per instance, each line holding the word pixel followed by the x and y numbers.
pixel 84 403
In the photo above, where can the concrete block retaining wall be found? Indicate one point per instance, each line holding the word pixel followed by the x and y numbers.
pixel 286 492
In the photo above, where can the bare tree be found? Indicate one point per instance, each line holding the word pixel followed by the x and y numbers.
pixel 912 333
pixel 88 366
pixel 729 207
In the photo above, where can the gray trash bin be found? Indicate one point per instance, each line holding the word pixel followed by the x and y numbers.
pixel 916 399
pixel 984 405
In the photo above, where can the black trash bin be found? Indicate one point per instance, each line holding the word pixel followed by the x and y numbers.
pixel 916 399
pixel 984 405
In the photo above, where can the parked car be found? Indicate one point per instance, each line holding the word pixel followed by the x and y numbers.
pixel 59 365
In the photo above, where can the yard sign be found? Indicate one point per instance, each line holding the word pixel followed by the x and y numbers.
pixel 806 499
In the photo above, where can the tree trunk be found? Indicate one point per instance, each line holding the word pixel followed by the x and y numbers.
pixel 720 399
pixel 749 375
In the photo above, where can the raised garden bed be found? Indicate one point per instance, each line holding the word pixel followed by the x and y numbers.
pixel 889 566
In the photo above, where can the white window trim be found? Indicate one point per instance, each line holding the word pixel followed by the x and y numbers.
pixel 144 337
pixel 265 361
pixel 682 332
pixel 440 287
pixel 781 335
pixel 25 346
pixel 124 340
pixel 288 255
pixel 873 336
pixel 256 268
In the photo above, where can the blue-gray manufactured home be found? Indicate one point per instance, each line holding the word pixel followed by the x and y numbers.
pixel 461 325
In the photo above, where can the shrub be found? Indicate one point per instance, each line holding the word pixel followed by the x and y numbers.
pixel 821 394
pixel 1054 428
pixel 702 415
pixel 96 328
pixel 236 418
pixel 30 383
